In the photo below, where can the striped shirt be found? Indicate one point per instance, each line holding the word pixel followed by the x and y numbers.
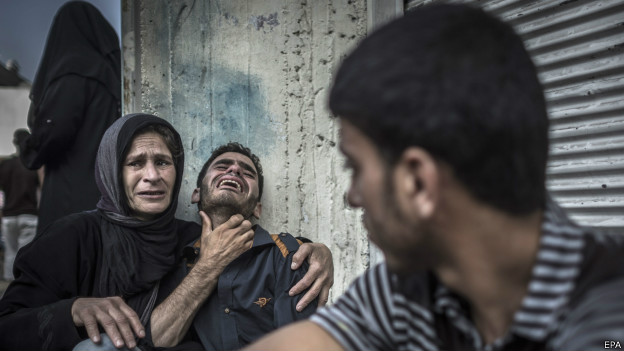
pixel 574 269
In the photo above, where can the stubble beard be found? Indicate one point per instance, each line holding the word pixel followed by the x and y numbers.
pixel 225 205
pixel 399 258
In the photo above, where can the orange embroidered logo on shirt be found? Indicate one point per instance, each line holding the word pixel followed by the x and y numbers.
pixel 262 301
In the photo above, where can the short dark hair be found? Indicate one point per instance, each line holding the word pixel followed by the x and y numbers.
pixel 460 84
pixel 19 135
pixel 238 148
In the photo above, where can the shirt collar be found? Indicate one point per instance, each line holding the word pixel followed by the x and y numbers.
pixel 557 266
pixel 261 237
pixel 553 279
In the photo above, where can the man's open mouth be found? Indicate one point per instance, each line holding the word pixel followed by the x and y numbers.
pixel 230 183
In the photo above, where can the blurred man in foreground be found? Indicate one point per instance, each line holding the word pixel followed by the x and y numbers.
pixel 445 130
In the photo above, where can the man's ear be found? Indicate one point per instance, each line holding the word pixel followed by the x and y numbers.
pixel 195 197
pixel 416 181
pixel 257 210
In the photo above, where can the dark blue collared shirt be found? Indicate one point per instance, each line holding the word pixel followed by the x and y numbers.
pixel 251 298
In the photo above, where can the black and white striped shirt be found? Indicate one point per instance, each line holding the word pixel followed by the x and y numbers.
pixel 575 300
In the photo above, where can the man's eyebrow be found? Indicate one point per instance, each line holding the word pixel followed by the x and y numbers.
pixel 226 161
pixel 248 167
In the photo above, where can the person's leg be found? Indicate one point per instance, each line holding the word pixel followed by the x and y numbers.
pixel 28 228
pixel 10 233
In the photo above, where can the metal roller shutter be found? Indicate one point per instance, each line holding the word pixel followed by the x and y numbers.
pixel 578 47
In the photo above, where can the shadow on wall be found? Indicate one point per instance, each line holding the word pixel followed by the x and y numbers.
pixel 225 105
pixel 238 112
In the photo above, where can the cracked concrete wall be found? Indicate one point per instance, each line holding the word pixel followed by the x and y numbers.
pixel 256 72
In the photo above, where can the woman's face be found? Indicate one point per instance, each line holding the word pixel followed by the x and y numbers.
pixel 149 176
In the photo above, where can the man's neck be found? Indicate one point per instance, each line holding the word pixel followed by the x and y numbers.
pixel 217 219
pixel 219 216
pixel 487 257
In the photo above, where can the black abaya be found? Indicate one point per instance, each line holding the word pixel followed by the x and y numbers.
pixel 75 96
pixel 51 272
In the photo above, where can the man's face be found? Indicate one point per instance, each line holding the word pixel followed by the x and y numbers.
pixel 149 176
pixel 372 190
pixel 231 182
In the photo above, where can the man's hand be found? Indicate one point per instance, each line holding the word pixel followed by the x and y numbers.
pixel 320 275
pixel 173 317
pixel 225 243
pixel 119 321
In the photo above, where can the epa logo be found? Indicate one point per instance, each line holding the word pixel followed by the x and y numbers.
pixel 612 344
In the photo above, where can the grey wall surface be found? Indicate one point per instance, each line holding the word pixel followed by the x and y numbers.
pixel 14 103
pixel 256 72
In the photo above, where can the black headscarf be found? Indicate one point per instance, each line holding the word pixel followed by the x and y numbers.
pixel 136 254
pixel 82 42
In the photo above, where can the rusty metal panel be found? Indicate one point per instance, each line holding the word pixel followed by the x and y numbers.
pixel 578 47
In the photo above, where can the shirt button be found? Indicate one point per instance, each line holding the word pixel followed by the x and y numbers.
pixel 227 310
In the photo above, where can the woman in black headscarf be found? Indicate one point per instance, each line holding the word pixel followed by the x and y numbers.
pixel 75 96
pixel 110 266
pixel 123 248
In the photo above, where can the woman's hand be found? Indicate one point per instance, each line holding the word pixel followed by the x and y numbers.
pixel 119 321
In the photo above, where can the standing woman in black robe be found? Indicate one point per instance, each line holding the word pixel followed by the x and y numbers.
pixel 75 96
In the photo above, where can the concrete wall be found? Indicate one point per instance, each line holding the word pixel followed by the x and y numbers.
pixel 14 103
pixel 256 72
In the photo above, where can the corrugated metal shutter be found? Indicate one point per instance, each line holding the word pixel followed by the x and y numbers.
pixel 578 47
